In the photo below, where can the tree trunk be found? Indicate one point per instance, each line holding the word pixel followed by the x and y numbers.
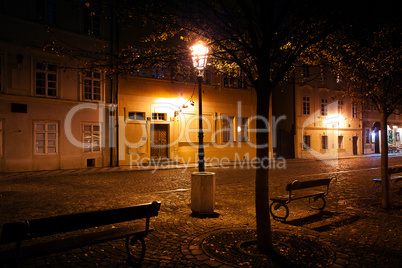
pixel 264 235
pixel 385 198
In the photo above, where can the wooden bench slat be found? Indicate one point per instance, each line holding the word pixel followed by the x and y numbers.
pixel 26 230
pixel 77 221
pixel 307 184
pixel 297 195
pixel 64 244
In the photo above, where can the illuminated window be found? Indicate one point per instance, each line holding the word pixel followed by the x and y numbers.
pixel 340 142
pixel 242 129
pixel 136 116
pixel 324 107
pixel 92 86
pixel 91 138
pixel 227 128
pixel 306 142
pixel 324 142
pixel 45 79
pixel 306 105
pixel 46 138
pixel 158 116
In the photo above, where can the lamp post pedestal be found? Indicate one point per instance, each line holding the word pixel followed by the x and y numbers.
pixel 203 193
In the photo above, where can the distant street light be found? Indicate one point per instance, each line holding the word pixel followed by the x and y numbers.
pixel 199 53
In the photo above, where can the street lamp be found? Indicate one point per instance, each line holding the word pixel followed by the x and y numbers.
pixel 199 54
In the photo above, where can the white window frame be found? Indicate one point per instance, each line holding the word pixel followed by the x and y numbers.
pixel 324 106
pixel 324 142
pixel 46 136
pixel 91 82
pixel 306 139
pixel 306 105
pixel 355 111
pixel 227 129
pixel 159 116
pixel 340 144
pixel 242 129
pixel 136 116
pixel 47 79
pixel 91 137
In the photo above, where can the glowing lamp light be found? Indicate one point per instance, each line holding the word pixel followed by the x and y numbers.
pixel 199 54
pixel 239 129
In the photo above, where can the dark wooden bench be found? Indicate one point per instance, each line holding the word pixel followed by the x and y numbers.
pixel 17 232
pixel 279 208
pixel 394 178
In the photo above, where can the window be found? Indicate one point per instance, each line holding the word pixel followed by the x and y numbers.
pixel 242 129
pixel 46 138
pixel 136 116
pixel 227 128
pixel 340 142
pixel 306 105
pixel 92 86
pixel 91 19
pixel 45 11
pixel 367 135
pixel 324 107
pixel 45 79
pixel 354 111
pixel 91 138
pixel 306 142
pixel 228 81
pixel 158 116
pixel 340 106
pixel 324 142
pixel 305 71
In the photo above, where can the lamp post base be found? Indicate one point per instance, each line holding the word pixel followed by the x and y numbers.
pixel 203 193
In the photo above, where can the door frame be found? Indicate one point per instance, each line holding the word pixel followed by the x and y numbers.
pixel 152 133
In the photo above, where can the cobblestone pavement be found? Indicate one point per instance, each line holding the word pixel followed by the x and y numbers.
pixel 354 227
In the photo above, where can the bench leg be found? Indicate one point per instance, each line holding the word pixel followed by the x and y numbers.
pixel 317 202
pixel 135 247
pixel 279 210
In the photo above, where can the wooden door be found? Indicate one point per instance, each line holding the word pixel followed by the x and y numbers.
pixel 159 140
pixel 354 145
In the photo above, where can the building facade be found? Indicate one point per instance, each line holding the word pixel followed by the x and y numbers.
pixel 158 120
pixel 53 112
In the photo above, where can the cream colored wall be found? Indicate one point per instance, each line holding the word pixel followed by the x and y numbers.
pixel 160 96
pixel 333 125
pixel 17 133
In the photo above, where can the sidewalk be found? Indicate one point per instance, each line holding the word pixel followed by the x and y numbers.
pixel 353 231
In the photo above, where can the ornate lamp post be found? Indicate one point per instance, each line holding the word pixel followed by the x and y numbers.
pixel 199 53
pixel 202 183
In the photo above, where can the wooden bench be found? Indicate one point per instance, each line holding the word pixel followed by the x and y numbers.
pixel 279 208
pixel 17 232
pixel 393 170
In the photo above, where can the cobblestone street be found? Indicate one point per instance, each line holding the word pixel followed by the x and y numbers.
pixel 353 230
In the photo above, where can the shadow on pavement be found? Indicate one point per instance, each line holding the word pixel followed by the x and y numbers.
pixel 312 218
